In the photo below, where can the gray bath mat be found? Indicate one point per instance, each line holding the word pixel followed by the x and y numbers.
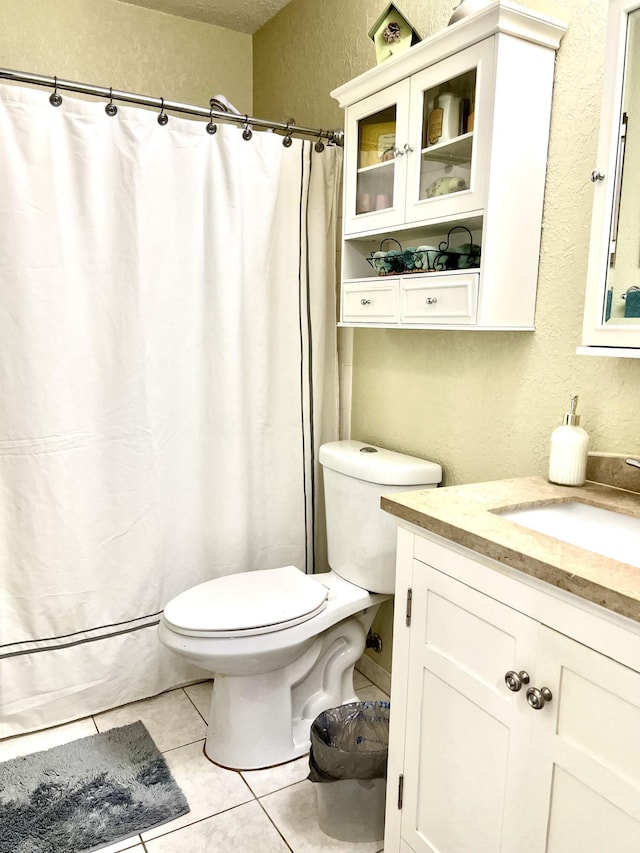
pixel 87 794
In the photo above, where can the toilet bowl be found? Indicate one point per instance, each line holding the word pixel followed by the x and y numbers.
pixel 271 684
pixel 282 645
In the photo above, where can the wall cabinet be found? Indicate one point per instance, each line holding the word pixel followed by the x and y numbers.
pixel 549 761
pixel 452 134
pixel 612 304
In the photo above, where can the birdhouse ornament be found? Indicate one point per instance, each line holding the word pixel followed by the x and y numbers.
pixel 392 34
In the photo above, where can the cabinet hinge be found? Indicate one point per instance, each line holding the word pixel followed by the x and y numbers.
pixel 400 789
pixel 408 612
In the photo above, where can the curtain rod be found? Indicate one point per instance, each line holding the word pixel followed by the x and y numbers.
pixel 335 137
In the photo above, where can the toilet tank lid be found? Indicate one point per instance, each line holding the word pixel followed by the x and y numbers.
pixel 378 465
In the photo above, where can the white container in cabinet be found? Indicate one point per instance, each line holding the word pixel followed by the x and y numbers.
pixel 409 178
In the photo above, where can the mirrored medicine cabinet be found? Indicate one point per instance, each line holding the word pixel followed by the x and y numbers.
pixel 612 304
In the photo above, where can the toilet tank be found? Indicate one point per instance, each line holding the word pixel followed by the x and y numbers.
pixel 361 538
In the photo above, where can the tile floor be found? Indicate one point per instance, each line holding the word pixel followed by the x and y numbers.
pixel 258 811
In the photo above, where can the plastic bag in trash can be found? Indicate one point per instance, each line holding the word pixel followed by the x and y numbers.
pixel 350 742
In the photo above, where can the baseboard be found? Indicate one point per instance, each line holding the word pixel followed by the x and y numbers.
pixel 376 674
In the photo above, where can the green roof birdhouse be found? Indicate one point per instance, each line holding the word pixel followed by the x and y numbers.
pixel 392 34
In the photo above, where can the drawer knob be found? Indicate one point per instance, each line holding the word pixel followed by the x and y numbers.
pixel 431 300
pixel 515 680
pixel 365 302
pixel 538 698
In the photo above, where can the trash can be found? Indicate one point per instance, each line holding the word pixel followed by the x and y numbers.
pixel 348 758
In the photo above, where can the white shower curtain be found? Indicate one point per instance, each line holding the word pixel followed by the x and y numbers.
pixel 168 371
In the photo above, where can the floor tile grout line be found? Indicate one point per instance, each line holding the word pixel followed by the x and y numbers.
pixel 199 820
pixel 275 790
pixel 255 796
pixel 281 787
pixel 182 745
pixel 275 826
pixel 206 722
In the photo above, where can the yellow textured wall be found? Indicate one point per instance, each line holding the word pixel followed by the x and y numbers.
pixel 483 404
pixel 109 43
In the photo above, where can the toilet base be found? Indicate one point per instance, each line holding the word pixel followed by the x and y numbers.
pixel 258 721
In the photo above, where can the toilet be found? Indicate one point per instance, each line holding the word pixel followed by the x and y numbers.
pixel 282 645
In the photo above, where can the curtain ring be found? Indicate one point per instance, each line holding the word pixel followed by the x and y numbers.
pixel 287 141
pixel 111 108
pixel 55 99
pixel 163 118
pixel 211 127
pixel 319 146
pixel 247 133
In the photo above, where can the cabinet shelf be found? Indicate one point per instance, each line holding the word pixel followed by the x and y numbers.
pixel 376 167
pixel 410 276
pixel 359 252
pixel 456 150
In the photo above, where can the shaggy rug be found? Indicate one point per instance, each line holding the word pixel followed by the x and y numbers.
pixel 87 794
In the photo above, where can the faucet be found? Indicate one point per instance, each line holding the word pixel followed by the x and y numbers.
pixel 634 462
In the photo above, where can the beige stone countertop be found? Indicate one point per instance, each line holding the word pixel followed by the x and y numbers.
pixel 468 515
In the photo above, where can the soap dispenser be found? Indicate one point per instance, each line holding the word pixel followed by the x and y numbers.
pixel 569 446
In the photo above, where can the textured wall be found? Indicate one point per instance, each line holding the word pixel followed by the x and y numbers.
pixel 114 44
pixel 483 404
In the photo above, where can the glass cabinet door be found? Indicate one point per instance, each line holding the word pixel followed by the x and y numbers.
pixel 375 169
pixel 450 118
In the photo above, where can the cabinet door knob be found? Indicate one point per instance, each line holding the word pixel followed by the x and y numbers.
pixel 398 152
pixel 407 148
pixel 538 698
pixel 515 680
pixel 365 302
pixel 431 300
pixel 596 176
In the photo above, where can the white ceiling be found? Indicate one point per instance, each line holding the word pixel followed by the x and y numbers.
pixel 244 16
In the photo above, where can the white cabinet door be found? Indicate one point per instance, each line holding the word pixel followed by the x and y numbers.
pixel 585 751
pixel 488 770
pixel 375 160
pixel 465 769
pixel 447 175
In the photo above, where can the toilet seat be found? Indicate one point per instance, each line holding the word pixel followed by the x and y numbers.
pixel 247 604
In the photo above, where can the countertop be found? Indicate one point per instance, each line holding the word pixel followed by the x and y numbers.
pixel 467 515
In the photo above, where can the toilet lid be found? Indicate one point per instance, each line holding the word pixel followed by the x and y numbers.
pixel 246 604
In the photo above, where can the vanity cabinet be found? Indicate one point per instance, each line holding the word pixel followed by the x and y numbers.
pixel 472 764
pixel 445 164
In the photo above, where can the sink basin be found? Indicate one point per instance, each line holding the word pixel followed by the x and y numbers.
pixel 599 530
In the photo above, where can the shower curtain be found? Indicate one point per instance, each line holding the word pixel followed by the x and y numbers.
pixel 168 371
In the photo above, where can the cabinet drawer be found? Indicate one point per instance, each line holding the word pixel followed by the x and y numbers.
pixel 440 299
pixel 364 302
